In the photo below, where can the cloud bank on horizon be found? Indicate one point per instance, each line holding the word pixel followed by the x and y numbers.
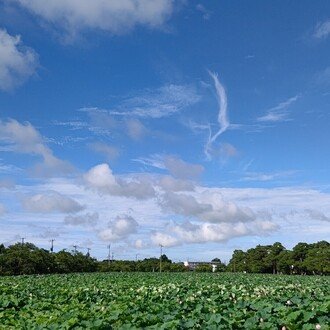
pixel 118 134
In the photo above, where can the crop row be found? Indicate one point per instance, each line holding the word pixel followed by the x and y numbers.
pixel 164 301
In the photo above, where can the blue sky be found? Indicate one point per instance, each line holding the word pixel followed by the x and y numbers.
pixel 201 126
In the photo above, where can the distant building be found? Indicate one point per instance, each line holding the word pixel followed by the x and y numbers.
pixel 192 265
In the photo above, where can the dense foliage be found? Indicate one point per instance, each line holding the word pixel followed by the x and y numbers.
pixel 26 258
pixel 19 259
pixel 164 301
pixel 303 259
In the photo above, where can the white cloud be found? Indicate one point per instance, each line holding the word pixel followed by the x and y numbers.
pixel 222 115
pixel 279 112
pixel 51 202
pixel 189 233
pixel 169 183
pixel 120 228
pixel 156 160
pixel 323 77
pixel 223 151
pixel 317 215
pixel 135 129
pixel 139 244
pixel 206 206
pixel 17 62
pixel 279 213
pixel 7 168
pixel 88 219
pixel 115 16
pixel 205 12
pixel 7 184
pixel 258 176
pixel 162 102
pixel 322 30
pixel 24 138
pixel 2 209
pixel 175 165
pixel 181 169
pixel 164 239
pixel 102 179
pixel 110 152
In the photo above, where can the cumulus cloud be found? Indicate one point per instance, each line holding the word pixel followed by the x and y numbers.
pixel 110 152
pixel 103 180
pixel 17 62
pixel 116 16
pixel 279 112
pixel 51 202
pixel 88 219
pixel 121 227
pixel 169 183
pixel 322 30
pixel 207 206
pixel 189 233
pixel 139 244
pixel 24 138
pixel 181 169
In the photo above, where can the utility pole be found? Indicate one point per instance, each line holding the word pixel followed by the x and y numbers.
pixel 136 257
pixel 75 248
pixel 112 256
pixel 109 255
pixel 52 245
pixel 88 249
pixel 22 239
pixel 160 258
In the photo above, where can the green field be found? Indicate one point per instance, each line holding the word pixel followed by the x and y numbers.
pixel 164 301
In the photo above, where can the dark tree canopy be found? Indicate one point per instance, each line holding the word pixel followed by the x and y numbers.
pixel 26 258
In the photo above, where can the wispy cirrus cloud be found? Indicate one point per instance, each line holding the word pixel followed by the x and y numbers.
pixel 206 14
pixel 280 112
pixel 223 120
pixel 322 30
pixel 158 103
pixel 261 176
pixel 17 62
pixel 176 166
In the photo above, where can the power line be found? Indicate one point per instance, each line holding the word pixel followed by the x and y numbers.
pixel 52 245
pixel 160 258
pixel 109 255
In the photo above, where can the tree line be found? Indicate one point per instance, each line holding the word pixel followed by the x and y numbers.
pixel 310 259
pixel 304 258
